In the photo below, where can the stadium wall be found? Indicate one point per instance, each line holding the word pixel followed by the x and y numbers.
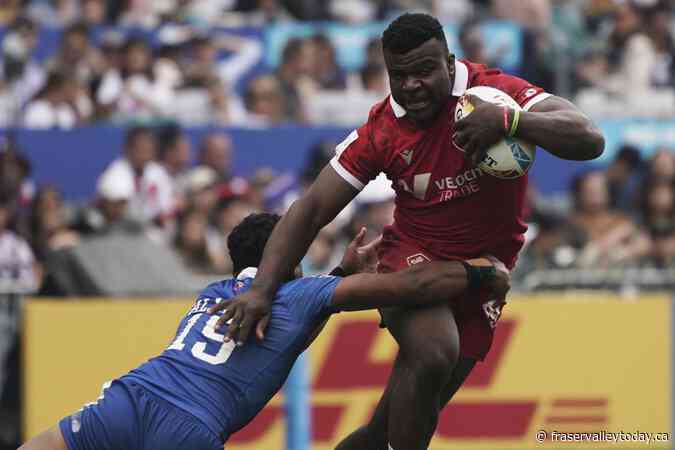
pixel 568 362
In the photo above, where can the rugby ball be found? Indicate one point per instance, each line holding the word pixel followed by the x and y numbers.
pixel 509 158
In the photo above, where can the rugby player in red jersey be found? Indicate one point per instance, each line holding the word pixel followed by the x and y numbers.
pixel 446 209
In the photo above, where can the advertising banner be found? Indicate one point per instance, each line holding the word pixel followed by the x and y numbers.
pixel 580 371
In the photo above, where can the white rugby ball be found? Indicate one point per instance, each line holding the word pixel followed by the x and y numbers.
pixel 510 157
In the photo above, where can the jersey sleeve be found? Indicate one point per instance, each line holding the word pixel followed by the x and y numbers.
pixel 523 92
pixel 312 298
pixel 355 158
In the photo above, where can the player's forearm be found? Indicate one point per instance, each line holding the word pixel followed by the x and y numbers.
pixel 286 246
pixel 418 286
pixel 567 134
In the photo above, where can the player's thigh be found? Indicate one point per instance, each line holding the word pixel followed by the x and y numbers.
pixel 424 332
pixel 51 439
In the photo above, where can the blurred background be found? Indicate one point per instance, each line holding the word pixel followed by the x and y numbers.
pixel 228 107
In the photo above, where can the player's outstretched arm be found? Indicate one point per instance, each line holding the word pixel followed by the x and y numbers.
pixel 419 285
pixel 289 242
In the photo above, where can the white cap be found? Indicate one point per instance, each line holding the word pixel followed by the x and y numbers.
pixel 116 185
pixel 198 178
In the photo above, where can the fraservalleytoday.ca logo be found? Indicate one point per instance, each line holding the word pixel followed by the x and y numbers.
pixel 347 366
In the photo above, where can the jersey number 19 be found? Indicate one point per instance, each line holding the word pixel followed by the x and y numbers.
pixel 198 349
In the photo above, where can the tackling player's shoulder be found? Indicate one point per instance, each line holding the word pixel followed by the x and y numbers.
pixel 222 288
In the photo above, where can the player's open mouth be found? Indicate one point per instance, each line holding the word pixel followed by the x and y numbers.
pixel 418 105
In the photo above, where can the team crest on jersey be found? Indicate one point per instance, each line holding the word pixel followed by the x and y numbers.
pixel 417 258
pixel 407 156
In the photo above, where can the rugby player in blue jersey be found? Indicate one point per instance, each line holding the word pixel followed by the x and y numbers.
pixel 203 388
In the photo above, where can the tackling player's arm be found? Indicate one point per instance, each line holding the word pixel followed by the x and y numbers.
pixel 419 285
pixel 554 124
pixel 289 242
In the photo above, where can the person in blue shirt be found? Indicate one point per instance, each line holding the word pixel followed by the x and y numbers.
pixel 204 387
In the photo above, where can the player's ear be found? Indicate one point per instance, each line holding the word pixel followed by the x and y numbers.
pixel 451 64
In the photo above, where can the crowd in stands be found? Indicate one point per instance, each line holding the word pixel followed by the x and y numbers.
pixel 622 216
pixel 616 56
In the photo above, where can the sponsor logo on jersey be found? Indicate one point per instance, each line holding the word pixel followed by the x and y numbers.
pixel 461 185
pixel 530 92
pixel 417 258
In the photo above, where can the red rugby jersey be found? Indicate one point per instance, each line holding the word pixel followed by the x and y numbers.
pixel 443 202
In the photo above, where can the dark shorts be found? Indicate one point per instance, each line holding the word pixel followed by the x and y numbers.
pixel 127 417
pixel 476 314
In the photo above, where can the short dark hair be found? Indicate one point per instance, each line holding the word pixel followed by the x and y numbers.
pixel 247 240
pixel 134 133
pixel 411 30
pixel 292 49
pixel 630 155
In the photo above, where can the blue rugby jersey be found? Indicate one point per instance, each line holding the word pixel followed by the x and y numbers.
pixel 225 386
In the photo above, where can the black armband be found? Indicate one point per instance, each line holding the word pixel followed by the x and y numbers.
pixel 338 272
pixel 476 275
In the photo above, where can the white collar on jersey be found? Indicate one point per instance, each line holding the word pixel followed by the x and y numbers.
pixel 458 89
pixel 249 272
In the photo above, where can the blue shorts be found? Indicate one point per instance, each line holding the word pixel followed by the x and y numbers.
pixel 127 417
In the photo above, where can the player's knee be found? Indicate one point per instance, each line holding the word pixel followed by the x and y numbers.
pixel 435 362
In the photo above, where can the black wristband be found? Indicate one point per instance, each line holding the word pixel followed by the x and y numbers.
pixel 338 272
pixel 476 276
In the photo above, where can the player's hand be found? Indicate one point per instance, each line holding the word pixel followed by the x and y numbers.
pixel 241 314
pixel 500 284
pixel 480 130
pixel 358 257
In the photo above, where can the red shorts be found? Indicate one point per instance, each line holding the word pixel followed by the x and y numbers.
pixel 476 317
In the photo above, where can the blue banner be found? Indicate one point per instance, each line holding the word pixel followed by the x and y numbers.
pixel 73 160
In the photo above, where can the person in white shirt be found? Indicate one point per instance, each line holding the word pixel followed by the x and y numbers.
pixel 153 198
pixel 50 107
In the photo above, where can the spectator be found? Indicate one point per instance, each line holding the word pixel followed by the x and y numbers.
pixel 15 183
pixel 93 12
pixel 228 215
pixel 374 79
pixel 51 107
pixel 174 150
pixel 264 12
pixel 659 31
pixel 659 220
pixel 49 225
pixel 134 91
pixel 624 178
pixel 609 237
pixel 471 42
pixel 153 198
pixel 76 55
pixel 216 153
pixel 22 73
pixel 55 13
pixel 266 102
pixel 207 58
pixel 662 166
pixel 327 72
pixel 374 55
pixel 200 190
pixel 17 263
pixel 114 193
pixel 295 76
pixel 192 245
pixel 632 56
pixel 530 14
